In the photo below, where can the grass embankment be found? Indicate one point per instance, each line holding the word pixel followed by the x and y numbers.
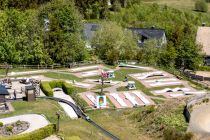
pixel 165 121
pixel 114 121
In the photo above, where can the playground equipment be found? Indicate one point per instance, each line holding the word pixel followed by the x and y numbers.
pixel 131 85
pixel 110 74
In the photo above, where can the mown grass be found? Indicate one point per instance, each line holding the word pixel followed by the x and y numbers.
pixel 178 4
pixel 114 121
pixel 63 76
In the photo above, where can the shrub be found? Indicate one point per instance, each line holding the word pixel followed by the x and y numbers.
pixel 56 84
pixel 35 135
pixel 18 122
pixel 1 124
pixel 201 5
pixel 67 88
pixel 9 128
pixel 45 86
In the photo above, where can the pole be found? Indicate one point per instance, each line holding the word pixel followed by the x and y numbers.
pixel 58 123
pixel 102 84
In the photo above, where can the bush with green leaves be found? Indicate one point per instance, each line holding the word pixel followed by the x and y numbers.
pixel 45 86
pixel 201 5
pixel 1 124
pixel 9 128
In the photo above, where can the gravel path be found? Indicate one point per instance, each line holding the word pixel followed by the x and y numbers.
pixel 36 121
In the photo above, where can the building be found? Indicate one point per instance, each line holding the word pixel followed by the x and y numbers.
pixel 203 38
pixel 146 34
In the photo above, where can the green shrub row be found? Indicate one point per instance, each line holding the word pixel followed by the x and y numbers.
pixel 67 88
pixel 45 86
pixel 35 135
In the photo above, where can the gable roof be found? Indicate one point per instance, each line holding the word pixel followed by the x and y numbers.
pixel 89 30
pixel 203 38
pixel 150 33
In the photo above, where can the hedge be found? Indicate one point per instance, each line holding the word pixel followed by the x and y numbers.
pixel 67 88
pixel 46 89
pixel 35 135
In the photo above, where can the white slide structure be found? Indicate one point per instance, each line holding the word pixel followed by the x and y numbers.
pixel 68 109
pixel 142 76
pixel 141 97
pixel 91 98
pixel 134 66
pixel 84 68
pixel 177 89
pixel 118 99
pixel 131 98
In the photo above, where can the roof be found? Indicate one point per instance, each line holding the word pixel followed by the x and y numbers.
pixel 150 33
pixel 89 30
pixel 202 38
pixel 3 90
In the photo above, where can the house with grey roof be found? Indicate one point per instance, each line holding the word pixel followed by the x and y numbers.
pixel 203 38
pixel 145 34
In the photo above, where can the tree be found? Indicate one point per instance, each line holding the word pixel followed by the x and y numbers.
pixel 111 43
pixel 201 5
pixel 63 40
pixel 149 54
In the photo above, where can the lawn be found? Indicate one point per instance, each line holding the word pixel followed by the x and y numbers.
pixel 178 4
pixel 62 76
pixel 114 121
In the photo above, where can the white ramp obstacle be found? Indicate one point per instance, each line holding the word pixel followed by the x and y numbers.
pixel 171 90
pixel 89 73
pixel 131 98
pixel 142 76
pixel 91 98
pixel 141 97
pixel 118 99
pixel 84 68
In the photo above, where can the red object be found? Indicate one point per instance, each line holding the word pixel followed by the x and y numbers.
pixel 104 74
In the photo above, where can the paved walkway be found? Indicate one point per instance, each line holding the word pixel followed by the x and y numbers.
pixel 52 137
pixel 36 121
pixel 200 120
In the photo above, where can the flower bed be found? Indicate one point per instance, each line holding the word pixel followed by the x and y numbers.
pixel 13 128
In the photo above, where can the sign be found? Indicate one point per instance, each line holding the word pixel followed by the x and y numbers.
pixel 101 101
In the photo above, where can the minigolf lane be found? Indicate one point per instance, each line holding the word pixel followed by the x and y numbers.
pixel 35 121
pixel 200 120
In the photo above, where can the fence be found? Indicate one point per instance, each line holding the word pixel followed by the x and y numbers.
pixel 55 66
pixel 196 77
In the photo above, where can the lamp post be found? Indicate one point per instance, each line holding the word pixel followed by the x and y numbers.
pixel 58 123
